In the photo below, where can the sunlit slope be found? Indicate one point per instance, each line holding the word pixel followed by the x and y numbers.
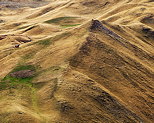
pixel 57 64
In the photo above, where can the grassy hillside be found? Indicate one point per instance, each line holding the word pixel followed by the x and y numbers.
pixel 78 61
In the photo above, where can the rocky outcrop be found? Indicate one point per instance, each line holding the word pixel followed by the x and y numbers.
pixel 98 26
pixel 17 45
pixel 22 74
pixel 149 33
pixel 148 19
pixel 2 37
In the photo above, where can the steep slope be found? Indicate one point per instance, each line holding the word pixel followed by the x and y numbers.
pixel 118 68
pixel 57 64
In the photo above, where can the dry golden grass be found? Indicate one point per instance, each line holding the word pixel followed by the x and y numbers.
pixel 82 75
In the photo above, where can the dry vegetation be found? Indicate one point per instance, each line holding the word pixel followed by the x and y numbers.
pixel 58 65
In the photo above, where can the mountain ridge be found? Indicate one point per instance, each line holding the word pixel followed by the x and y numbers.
pixel 92 61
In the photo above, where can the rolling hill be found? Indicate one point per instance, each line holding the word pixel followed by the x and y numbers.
pixel 77 61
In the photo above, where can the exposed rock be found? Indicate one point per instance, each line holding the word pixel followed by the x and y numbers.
pixel 17 45
pixel 22 74
pixel 113 106
pixel 148 19
pixel 149 33
pixel 2 37
pixel 98 26
pixel 65 106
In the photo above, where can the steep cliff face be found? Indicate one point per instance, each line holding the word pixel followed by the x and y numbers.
pixel 77 62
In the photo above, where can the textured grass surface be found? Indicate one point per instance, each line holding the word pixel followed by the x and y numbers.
pixel 51 40
pixel 23 27
pixel 23 67
pixel 10 82
pixel 83 75
pixel 59 19
pixel 72 25
pixel 45 42
pixel 28 55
